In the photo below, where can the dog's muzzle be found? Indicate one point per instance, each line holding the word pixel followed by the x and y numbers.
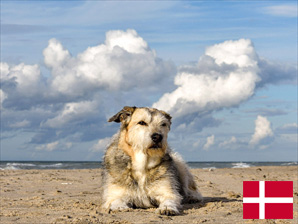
pixel 156 138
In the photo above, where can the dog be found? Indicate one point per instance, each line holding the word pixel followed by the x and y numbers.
pixel 140 170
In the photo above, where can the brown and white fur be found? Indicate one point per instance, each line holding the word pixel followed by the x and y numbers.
pixel 140 170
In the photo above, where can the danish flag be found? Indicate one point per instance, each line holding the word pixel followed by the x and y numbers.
pixel 267 199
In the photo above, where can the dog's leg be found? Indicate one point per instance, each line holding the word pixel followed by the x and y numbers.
pixel 190 190
pixel 195 195
pixel 168 199
pixel 115 198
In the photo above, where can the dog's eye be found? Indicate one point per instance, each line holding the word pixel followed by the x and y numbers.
pixel 164 125
pixel 142 123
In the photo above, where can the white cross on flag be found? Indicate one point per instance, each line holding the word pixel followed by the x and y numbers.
pixel 267 199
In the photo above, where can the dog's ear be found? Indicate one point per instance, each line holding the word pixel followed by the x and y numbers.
pixel 168 116
pixel 122 115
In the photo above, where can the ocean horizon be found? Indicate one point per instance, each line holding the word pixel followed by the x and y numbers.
pixel 40 165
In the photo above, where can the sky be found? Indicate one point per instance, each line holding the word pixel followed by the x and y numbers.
pixel 226 71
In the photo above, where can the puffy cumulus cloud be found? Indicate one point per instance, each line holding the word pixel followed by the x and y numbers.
pixel 123 62
pixel 20 80
pixel 240 52
pixel 263 134
pixel 82 121
pixel 129 41
pixel 22 85
pixel 72 102
pixel 55 55
pixel 72 112
pixel 209 142
pixel 225 76
pixel 79 91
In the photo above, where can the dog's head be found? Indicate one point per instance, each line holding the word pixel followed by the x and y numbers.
pixel 144 128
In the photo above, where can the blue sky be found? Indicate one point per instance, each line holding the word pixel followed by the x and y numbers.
pixel 225 70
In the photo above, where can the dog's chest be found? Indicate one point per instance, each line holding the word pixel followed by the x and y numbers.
pixel 141 164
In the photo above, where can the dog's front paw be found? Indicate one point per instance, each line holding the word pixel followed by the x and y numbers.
pixel 167 211
pixel 168 208
pixel 118 205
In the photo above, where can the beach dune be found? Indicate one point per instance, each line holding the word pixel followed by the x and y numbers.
pixel 74 196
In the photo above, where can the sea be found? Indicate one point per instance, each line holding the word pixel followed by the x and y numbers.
pixel 42 165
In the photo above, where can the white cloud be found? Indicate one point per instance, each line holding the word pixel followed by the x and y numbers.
pixel 124 61
pixel 240 52
pixel 48 147
pixel 263 132
pixel 55 55
pixel 209 142
pixel 129 41
pixel 21 124
pixel 84 88
pixel 3 96
pixel 286 10
pixel 25 79
pixel 73 101
pixel 225 76
pixel 229 143
pixel 72 112
pixel 101 145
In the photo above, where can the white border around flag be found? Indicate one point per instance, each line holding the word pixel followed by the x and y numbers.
pixel 262 200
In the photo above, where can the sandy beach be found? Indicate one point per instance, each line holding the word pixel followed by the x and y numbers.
pixel 73 196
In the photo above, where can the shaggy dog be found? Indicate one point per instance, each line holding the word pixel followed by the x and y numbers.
pixel 140 170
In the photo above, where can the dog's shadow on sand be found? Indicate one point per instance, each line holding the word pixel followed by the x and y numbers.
pixel 206 201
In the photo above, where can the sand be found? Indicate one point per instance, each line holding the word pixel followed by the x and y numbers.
pixel 73 196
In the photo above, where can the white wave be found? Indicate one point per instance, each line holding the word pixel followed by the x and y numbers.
pixel 287 164
pixel 52 165
pixel 240 165
pixel 9 168
pixel 20 164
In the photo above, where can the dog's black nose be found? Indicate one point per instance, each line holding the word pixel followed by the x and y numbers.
pixel 156 138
